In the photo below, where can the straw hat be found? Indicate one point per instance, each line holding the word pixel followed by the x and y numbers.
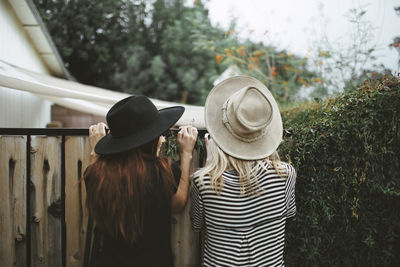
pixel 135 121
pixel 243 118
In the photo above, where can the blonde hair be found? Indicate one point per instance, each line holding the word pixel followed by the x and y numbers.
pixel 246 169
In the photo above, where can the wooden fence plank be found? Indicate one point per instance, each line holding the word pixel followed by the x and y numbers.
pixel 13 201
pixel 46 204
pixel 77 158
pixel 185 243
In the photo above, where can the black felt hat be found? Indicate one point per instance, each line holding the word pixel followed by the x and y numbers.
pixel 135 121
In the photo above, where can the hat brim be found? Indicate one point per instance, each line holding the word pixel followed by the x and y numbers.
pixel 167 117
pixel 259 149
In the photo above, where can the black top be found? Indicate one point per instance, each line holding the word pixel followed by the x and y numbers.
pixel 153 249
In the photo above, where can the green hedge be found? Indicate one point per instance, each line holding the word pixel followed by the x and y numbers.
pixel 347 155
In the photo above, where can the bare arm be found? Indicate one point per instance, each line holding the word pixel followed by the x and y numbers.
pixel 186 139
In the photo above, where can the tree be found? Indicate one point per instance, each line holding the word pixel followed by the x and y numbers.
pixel 281 71
pixel 139 47
pixel 396 40
pixel 169 66
pixel 90 36
pixel 162 48
pixel 343 66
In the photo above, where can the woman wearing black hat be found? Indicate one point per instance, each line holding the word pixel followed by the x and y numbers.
pixel 130 190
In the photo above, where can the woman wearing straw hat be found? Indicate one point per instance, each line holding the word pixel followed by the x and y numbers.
pixel 130 189
pixel 244 194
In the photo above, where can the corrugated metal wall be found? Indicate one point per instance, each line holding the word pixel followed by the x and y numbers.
pixel 20 109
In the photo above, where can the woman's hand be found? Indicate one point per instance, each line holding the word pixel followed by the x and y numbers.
pixel 187 137
pixel 207 142
pixel 96 132
pixel 161 140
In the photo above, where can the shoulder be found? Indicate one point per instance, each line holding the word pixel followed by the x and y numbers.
pixel 288 167
pixel 283 168
pixel 200 180
pixel 290 172
pixel 196 180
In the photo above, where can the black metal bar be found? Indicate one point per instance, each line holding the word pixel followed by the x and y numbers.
pixel 58 131
pixel 63 225
pixel 45 131
pixel 28 200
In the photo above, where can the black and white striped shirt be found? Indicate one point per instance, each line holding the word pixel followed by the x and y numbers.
pixel 244 230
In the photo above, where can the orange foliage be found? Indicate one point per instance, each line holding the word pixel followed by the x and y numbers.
pixel 254 59
pixel 319 80
pixel 287 67
pixel 252 66
pixel 258 53
pixel 218 58
pixel 241 51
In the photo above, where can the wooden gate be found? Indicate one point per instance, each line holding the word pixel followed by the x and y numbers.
pixel 43 215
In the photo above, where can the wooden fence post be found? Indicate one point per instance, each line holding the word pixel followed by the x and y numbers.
pixel 46 205
pixel 77 158
pixel 13 201
pixel 185 243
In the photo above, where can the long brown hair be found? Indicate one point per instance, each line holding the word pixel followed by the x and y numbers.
pixel 117 186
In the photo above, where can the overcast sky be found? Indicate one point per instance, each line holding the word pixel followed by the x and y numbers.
pixel 296 25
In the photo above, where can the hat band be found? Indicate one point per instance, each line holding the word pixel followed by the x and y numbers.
pixel 247 138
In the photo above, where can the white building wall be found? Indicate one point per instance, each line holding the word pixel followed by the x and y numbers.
pixel 17 108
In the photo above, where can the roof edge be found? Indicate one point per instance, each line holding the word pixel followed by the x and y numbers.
pixel 35 13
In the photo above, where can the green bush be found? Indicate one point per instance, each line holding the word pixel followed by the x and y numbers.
pixel 346 151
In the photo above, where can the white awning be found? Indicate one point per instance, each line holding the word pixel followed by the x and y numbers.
pixel 84 98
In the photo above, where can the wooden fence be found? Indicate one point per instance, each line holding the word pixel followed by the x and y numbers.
pixel 43 215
